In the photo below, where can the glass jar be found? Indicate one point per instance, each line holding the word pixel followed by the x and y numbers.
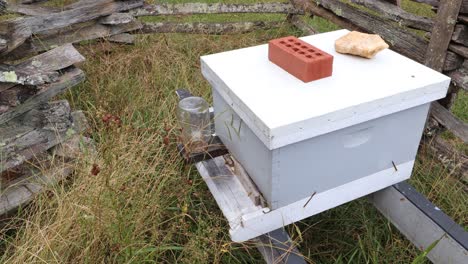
pixel 194 119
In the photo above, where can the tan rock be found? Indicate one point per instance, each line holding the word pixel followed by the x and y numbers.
pixel 360 44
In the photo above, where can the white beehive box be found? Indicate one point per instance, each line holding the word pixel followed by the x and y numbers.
pixel 296 139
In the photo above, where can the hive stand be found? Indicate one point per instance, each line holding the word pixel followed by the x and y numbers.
pixel 423 223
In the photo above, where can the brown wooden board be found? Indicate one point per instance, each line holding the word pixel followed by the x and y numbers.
pixel 399 38
pixel 395 13
pixel 441 34
pixel 460 34
pixel 445 118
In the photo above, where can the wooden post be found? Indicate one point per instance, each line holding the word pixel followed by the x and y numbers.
pixel 442 33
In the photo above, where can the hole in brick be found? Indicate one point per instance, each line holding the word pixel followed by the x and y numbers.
pixel 290 40
pixel 301 52
pixel 282 42
pixel 304 47
pixel 311 50
pixel 297 43
pixel 295 49
pixel 309 56
pixel 288 45
pixel 318 54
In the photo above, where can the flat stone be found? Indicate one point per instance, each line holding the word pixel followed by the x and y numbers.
pixel 360 44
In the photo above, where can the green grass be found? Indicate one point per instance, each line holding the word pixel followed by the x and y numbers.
pixel 146 206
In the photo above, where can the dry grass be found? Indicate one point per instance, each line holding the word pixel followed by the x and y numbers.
pixel 146 206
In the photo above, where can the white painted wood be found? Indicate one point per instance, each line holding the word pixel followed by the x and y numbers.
pixel 248 221
pixel 228 191
pixel 291 173
pixel 282 110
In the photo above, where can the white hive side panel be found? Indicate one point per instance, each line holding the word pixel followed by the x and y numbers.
pixel 340 157
pixel 243 144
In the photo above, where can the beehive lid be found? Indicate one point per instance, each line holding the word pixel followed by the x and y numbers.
pixel 281 109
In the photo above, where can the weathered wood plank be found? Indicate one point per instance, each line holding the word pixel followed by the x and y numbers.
pixel 11 75
pixel 53 60
pixel 21 139
pixel 460 78
pixel 69 79
pixel 23 190
pixel 313 8
pixel 393 12
pixel 460 34
pixel 207 28
pixel 400 39
pixel 213 8
pixel 32 10
pixel 73 35
pixel 300 24
pixel 452 61
pixel 124 38
pixel 117 19
pixel 449 121
pixel 441 34
pixel 18 30
pixel 463 18
pixel 459 49
pixel 464 7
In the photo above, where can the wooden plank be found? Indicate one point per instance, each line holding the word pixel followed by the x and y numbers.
pixel 464 7
pixel 123 38
pixel 452 61
pixel 393 12
pixel 441 34
pixel 463 18
pixel 207 28
pixel 400 39
pixel 313 8
pixel 448 120
pixel 249 186
pixel 117 19
pixel 11 75
pixel 460 78
pixel 459 49
pixel 18 30
pixel 32 10
pixel 72 35
pixel 422 223
pixel 24 138
pixel 69 79
pixel 227 190
pixel 213 8
pixel 51 61
pixel 300 24
pixel 460 34
pixel 24 190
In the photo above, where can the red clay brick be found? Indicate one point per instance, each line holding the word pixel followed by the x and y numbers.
pixel 300 59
